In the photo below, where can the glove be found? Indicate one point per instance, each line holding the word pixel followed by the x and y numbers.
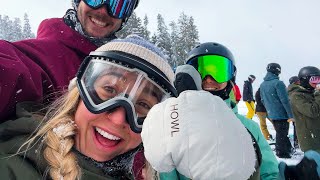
pixel 307 168
pixel 187 78
pixel 317 87
pixel 198 135
pixel 291 120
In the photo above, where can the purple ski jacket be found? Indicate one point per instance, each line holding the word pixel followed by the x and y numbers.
pixel 32 69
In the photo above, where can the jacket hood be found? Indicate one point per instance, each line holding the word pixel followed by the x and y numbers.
pixel 297 88
pixel 270 76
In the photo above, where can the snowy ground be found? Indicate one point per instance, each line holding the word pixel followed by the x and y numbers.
pixel 297 156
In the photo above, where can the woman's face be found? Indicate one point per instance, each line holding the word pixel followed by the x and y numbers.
pixel 210 84
pixel 104 136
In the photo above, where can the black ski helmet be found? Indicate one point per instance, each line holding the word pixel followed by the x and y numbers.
pixel 213 48
pixel 274 68
pixel 304 75
pixel 251 77
pixel 210 48
pixel 293 79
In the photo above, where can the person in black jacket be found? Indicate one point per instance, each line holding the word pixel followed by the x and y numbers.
pixel 262 115
pixel 248 95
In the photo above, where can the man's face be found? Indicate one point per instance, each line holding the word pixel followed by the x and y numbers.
pixel 210 84
pixel 97 22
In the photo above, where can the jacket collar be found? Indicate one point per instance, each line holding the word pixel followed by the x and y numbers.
pixel 270 76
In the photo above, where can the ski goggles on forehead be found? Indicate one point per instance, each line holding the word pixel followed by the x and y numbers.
pixel 119 9
pixel 105 86
pixel 220 68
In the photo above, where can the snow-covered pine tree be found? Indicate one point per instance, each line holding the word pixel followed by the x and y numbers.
pixel 193 34
pixel 1 29
pixel 163 36
pixel 16 33
pixel 5 27
pixel 27 33
pixel 188 37
pixel 146 32
pixel 174 39
pixel 132 26
pixel 154 39
pixel 182 49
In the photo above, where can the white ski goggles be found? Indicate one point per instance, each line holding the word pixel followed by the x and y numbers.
pixel 106 84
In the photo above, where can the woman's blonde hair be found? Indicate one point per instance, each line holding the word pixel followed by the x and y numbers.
pixel 58 133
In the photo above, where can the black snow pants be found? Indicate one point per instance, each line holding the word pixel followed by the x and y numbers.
pixel 283 145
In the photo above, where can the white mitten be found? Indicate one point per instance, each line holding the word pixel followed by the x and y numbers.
pixel 200 136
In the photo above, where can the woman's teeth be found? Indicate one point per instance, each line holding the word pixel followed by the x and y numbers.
pixel 107 135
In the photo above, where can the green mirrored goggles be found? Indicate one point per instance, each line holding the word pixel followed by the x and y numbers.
pixel 220 68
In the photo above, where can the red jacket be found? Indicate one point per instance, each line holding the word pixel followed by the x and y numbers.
pixel 237 93
pixel 33 68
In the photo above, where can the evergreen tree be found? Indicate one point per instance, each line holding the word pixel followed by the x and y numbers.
pixel 16 33
pixel 5 28
pixel 13 31
pixel 193 34
pixel 163 36
pixel 182 39
pixel 146 32
pixel 154 39
pixel 1 29
pixel 132 26
pixel 27 33
pixel 174 39
pixel 188 37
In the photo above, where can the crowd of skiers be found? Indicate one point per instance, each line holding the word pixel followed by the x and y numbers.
pixel 78 103
pixel 298 103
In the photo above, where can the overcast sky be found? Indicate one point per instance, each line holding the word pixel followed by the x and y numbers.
pixel 257 32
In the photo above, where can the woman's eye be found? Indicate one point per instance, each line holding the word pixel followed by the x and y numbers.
pixel 144 105
pixel 142 108
pixel 110 90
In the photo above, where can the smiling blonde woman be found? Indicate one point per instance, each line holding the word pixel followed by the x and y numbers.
pixel 93 131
